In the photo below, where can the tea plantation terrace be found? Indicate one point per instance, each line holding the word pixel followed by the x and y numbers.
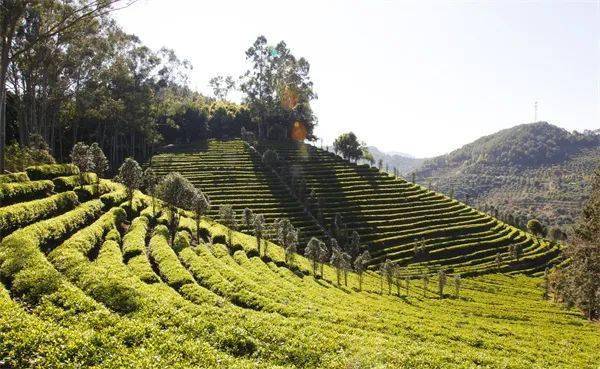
pixel 393 217
pixel 89 281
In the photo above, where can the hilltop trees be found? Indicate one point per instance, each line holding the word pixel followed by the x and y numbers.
pixel 348 145
pixel 278 91
pixel 248 216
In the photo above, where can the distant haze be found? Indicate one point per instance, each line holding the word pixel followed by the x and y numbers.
pixel 422 77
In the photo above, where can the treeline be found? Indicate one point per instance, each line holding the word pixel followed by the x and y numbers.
pixel 72 74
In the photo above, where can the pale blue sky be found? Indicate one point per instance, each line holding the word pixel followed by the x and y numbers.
pixel 422 77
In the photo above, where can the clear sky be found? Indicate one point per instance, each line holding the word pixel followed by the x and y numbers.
pixel 422 77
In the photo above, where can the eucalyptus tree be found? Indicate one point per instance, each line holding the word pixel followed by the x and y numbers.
pixel 346 266
pixel 278 90
pixel 323 256
pixel 222 86
pixel 425 278
pixel 227 217
pixel 360 266
pixel 287 237
pixel 23 27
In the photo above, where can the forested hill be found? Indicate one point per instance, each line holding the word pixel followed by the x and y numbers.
pixel 532 170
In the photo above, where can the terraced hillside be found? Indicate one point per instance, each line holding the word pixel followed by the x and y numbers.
pixel 395 218
pixel 88 281
pixel 230 173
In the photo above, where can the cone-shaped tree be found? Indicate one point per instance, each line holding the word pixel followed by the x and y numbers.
pixel 130 174
pixel 177 192
pixel 81 158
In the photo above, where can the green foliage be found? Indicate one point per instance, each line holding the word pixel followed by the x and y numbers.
pixel 14 177
pixel 68 183
pixel 18 158
pixel 130 174
pixel 22 214
pixel 534 226
pixel 134 241
pixel 543 169
pixel 348 145
pixel 278 91
pixel 21 191
pixel 51 171
pixel 172 272
pixel 577 283
pixel 99 160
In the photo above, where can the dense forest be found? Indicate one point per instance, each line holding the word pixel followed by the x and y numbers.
pixel 70 74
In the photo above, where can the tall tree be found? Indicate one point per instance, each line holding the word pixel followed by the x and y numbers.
pixel 25 15
pixel 278 90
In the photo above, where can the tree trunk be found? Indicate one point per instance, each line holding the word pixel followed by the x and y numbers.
pixel 6 33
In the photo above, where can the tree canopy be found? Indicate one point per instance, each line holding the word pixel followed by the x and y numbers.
pixel 349 147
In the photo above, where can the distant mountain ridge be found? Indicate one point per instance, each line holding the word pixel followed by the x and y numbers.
pixel 530 170
pixel 405 163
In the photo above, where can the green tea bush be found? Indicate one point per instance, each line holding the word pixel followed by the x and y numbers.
pixel 51 171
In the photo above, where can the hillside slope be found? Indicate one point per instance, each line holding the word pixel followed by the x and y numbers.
pixel 395 219
pixel 529 171
pixel 88 281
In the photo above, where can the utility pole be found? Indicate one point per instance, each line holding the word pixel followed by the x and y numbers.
pixel 535 109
